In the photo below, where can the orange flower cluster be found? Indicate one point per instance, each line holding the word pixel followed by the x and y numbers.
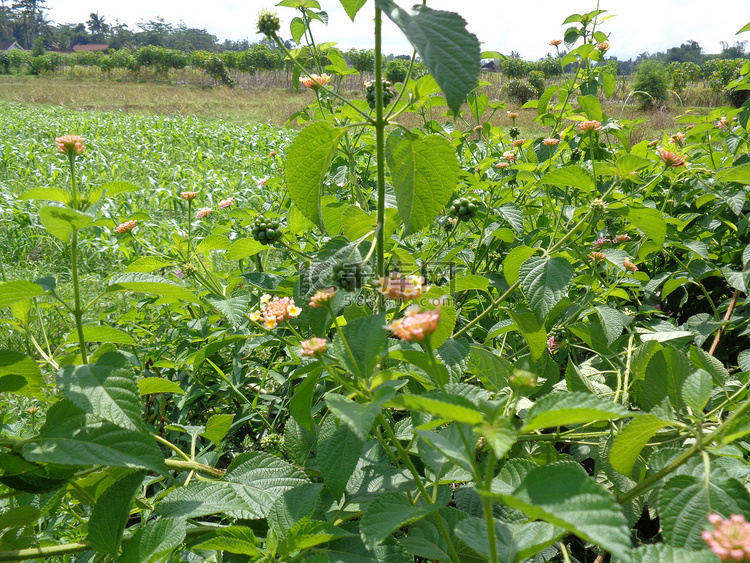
pixel 188 196
pixel 275 311
pixel 587 126
pixel 204 212
pixel 672 159
pixel 730 538
pixel 629 265
pixel 313 347
pixel 224 203
pixel 315 81
pixel 71 145
pixel 126 227
pixel 322 297
pixel 550 142
pixel 555 42
pixel 396 287
pixel 415 326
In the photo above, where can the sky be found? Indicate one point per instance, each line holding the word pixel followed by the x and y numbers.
pixel 525 26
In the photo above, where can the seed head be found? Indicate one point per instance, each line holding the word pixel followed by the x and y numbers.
pixel 268 23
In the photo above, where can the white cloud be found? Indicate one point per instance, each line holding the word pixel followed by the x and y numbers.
pixel 527 27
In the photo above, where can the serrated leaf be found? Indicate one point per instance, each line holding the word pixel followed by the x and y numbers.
pixel 514 542
pixel 662 553
pixel 149 385
pixel 352 7
pixel 545 282
pixel 630 441
pixel 233 307
pixel 649 221
pixel 300 405
pixel 443 405
pixel 685 501
pixel 106 389
pixel 19 516
pixel 201 499
pixel 48 194
pixel 147 264
pixel 147 283
pixel 358 416
pixel 233 539
pixel 563 409
pixel 366 338
pixel 591 106
pixel 294 505
pixel 449 444
pixel 20 375
pixel 111 513
pixel 450 52
pixel 388 513
pixel 513 262
pixel 308 159
pixel 532 331
pixel 570 176
pixel 101 333
pixel 576 503
pixel 491 369
pixel 213 242
pixel 696 390
pixel 338 456
pixel 242 248
pixel 424 172
pixel 62 221
pixel 119 187
pixel 217 427
pixel 71 437
pixel 513 214
pixel 14 291
pixel 308 533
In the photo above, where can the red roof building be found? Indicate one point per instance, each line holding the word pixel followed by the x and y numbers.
pixel 92 47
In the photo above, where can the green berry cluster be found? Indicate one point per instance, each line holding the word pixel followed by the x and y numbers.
pixel 575 155
pixel 348 276
pixel 514 132
pixel 268 23
pixel 464 208
pixel 273 444
pixel 388 93
pixel 266 231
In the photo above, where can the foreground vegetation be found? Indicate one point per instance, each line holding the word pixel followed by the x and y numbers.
pixel 460 340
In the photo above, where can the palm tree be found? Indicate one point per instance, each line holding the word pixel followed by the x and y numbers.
pixel 96 24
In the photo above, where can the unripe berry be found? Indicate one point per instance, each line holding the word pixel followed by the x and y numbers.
pixel 268 23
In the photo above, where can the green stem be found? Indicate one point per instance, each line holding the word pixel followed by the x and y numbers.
pixel 171 446
pixel 194 466
pixel 380 124
pixel 77 309
pixel 489 517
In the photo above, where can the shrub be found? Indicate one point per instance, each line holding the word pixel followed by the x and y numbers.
pixel 537 81
pixel 651 84
pixel 395 71
pixel 515 67
pixel 520 91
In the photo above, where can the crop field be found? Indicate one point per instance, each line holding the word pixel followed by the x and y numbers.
pixel 416 324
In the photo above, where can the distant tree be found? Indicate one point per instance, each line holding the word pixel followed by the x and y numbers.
pixel 736 51
pixel 30 19
pixel 688 52
pixel 651 84
pixel 97 26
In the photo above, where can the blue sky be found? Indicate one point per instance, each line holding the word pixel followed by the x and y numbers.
pixel 526 26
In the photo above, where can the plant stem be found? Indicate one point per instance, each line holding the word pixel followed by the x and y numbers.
pixel 77 309
pixel 380 123
pixel 194 466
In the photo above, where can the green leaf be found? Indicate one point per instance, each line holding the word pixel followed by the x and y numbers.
pixel 294 505
pixel 388 513
pixel 149 385
pixel 576 503
pixel 338 456
pixel 213 242
pixel 696 390
pixel 34 478
pixel 308 533
pixel 147 283
pixel 202 499
pixel 532 331
pixel 591 107
pixel 442 405
pixel 147 264
pixel 491 369
pixel 300 405
pixel 631 440
pixel 352 7
pixel 62 221
pixel 449 51
pixel 563 409
pixel 233 308
pixel 366 337
pixel 106 389
pixel 20 375
pixel 260 478
pixel 117 187
pixel 647 220
pixel 308 159
pixel 424 172
pixel 217 427
pixel 515 542
pixel 685 501
pixel 570 176
pixel 111 514
pixel 449 444
pixel 469 282
pixel 233 539
pixel 19 517
pixel 744 29
pixel 358 416
pixel 48 194
pixel 513 214
pixel 662 553
pixel 101 333
pixel 15 291
pixel 545 282
pixel 513 262
pixel 242 248
pixel 71 437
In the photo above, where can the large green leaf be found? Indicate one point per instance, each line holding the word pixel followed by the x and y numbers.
pixel 514 542
pixel 233 539
pixel 338 455
pixel 294 505
pixel 62 221
pixel 449 51
pixel 630 441
pixel 217 427
pixel 514 260
pixel 300 405
pixel 308 533
pixel 19 374
pixel 648 220
pixel 685 501
pixel 366 337
pixel 532 331
pixel 545 282
pixel 359 416
pixel 14 291
pixel 71 437
pixel 102 333
pixel 106 389
pixel 307 161
pixel 491 369
pixel 388 513
pixel 352 7
pixel 696 390
pixel 570 176
pixel 202 499
pixel 662 553
pixel 146 283
pixel 149 385
pixel 111 513
pixel 564 495
pixel 48 194
pixel 424 172
pixel 116 187
pixel 563 409
pixel 233 308
pixel 242 248
pixel 443 405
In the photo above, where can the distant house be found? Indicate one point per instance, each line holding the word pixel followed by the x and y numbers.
pixel 10 46
pixel 90 48
pixel 490 67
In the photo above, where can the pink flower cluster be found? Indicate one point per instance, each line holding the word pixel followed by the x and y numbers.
pixel 730 538
pixel 396 287
pixel 588 126
pixel 322 297
pixel 315 81
pixel 415 326
pixel 71 145
pixel 313 347
pixel 671 159
pixel 126 227
pixel 275 311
